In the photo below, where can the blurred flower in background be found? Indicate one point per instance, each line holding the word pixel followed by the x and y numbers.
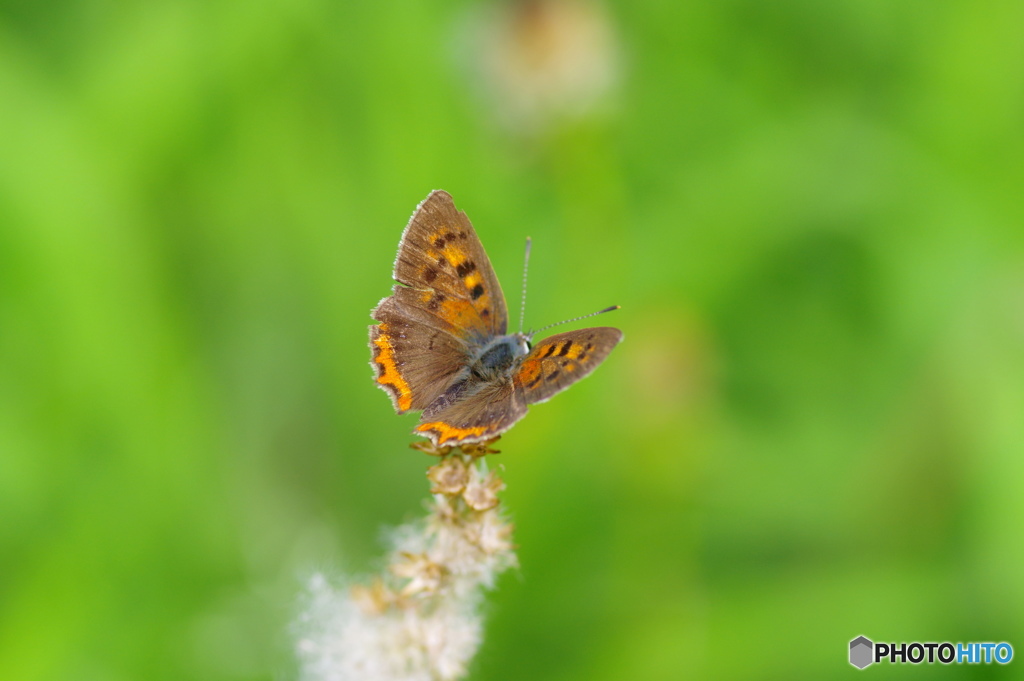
pixel 538 62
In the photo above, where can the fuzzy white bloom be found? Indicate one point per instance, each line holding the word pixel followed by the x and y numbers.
pixel 421 620
pixel 343 642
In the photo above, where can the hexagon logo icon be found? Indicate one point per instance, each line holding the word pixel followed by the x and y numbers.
pixel 860 652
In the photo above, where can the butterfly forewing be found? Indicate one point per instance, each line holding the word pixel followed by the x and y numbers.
pixel 558 361
pixel 442 260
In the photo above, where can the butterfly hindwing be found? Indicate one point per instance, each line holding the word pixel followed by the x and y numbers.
pixel 416 355
pixel 484 411
pixel 558 361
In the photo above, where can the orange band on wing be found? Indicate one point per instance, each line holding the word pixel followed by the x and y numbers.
pixel 458 312
pixel 448 251
pixel 447 433
pixel 529 372
pixel 389 374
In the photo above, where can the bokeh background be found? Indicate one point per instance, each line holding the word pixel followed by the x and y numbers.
pixel 810 213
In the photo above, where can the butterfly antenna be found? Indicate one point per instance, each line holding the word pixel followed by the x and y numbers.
pixel 575 319
pixel 526 265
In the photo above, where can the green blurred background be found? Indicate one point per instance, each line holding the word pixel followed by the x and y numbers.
pixel 810 212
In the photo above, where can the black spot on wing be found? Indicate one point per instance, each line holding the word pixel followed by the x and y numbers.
pixel 436 301
pixel 465 268
pixel 477 291
pixel 564 350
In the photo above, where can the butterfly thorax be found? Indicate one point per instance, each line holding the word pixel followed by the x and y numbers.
pixel 500 356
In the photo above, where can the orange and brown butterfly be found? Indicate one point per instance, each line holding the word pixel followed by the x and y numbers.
pixel 441 345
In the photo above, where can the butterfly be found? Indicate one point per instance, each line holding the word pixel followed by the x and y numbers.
pixel 441 344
